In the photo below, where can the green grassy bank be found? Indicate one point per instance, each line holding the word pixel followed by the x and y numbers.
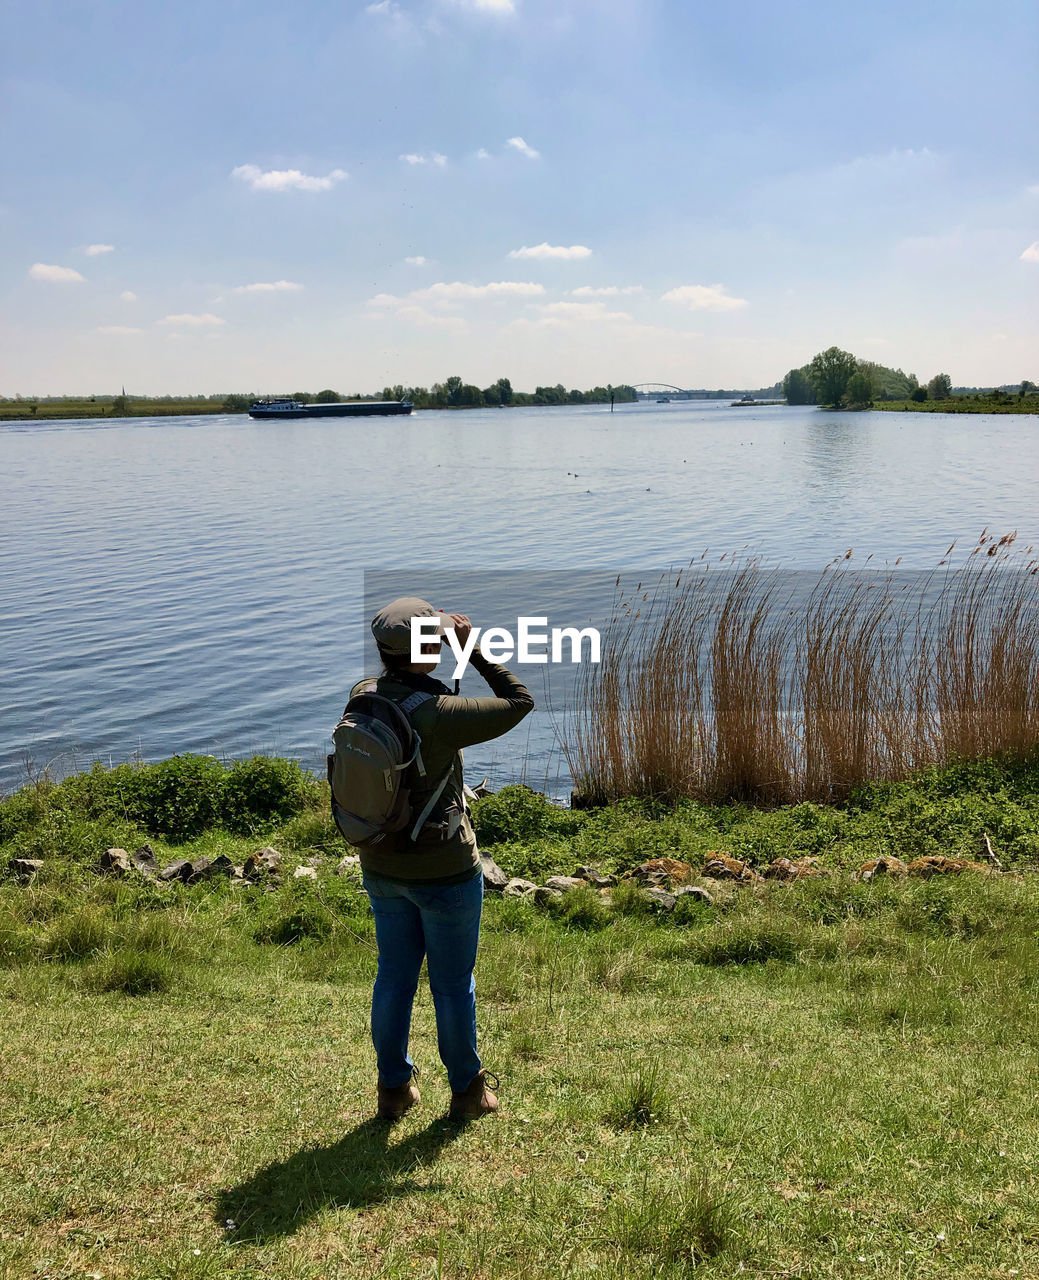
pixel 826 1078
pixel 28 411
pixel 963 404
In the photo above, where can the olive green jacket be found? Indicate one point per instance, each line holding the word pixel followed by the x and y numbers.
pixel 447 723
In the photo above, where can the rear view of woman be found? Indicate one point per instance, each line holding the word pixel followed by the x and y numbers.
pixel 427 898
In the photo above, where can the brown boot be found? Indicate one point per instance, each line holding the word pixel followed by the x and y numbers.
pixel 477 1100
pixel 394 1102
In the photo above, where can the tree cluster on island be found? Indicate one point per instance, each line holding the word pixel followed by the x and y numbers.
pixel 837 379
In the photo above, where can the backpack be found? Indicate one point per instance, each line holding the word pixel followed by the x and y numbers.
pixel 375 746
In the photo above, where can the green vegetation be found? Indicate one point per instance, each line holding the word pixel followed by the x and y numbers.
pixel 765 688
pixel 839 380
pixel 820 1079
pixel 453 393
pixel 998 401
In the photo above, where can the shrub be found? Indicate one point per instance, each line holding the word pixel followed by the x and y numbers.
pixel 518 813
pixel 263 791
pixel 180 797
pixel 23 809
pixel 293 916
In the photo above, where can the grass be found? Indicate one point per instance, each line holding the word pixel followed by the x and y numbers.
pixel 747 684
pixel 103 407
pixel 963 404
pixel 822 1079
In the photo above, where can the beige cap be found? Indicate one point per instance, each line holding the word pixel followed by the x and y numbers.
pixel 391 626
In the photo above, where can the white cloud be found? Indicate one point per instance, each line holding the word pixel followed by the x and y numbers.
pixel 55 274
pixel 427 320
pixel 128 295
pixel 118 329
pixel 578 312
pixel 1033 190
pixel 457 291
pixel 895 162
pixel 195 321
pixel 417 261
pixel 483 154
pixel 704 297
pixel 445 295
pixel 275 286
pixel 524 148
pixel 608 291
pixel 96 250
pixel 286 179
pixel 543 251
pixel 434 157
pixel 381 6
pixel 488 6
pixel 1031 254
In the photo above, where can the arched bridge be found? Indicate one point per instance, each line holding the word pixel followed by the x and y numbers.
pixel 652 390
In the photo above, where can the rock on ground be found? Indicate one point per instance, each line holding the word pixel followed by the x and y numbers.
pixel 494 879
pixel 660 898
pixel 661 871
pixel 784 869
pixel 880 867
pixel 145 861
pixel 720 866
pixel 265 861
pixel 23 869
pixel 595 877
pixel 565 883
pixel 694 891
pixel 936 865
pixel 519 888
pixel 182 869
pixel 114 862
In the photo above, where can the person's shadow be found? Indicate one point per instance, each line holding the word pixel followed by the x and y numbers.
pixel 362 1168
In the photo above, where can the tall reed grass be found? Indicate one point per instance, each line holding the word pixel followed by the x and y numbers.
pixel 742 682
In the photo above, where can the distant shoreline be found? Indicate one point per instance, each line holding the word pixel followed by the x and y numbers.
pixel 972 404
pixel 60 413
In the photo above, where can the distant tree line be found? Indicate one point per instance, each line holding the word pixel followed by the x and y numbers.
pixel 839 380
pixel 453 393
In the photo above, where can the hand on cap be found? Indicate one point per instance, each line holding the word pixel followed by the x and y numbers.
pixel 462 626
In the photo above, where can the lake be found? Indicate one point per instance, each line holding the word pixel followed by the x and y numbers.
pixel 199 584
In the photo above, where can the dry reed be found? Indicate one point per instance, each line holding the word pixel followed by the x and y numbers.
pixel 747 683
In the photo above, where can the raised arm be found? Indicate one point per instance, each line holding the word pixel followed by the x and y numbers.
pixel 460 722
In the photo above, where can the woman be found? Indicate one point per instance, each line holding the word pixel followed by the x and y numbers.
pixel 427 899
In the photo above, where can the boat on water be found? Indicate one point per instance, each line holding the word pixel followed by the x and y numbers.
pixel 287 408
pixel 663 399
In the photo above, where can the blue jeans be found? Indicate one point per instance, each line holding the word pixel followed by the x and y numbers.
pixel 442 923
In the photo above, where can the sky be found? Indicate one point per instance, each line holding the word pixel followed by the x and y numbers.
pixel 258 196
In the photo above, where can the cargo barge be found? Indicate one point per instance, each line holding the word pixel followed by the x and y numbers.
pixel 286 408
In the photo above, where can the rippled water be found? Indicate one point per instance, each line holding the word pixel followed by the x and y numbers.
pixel 196 584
